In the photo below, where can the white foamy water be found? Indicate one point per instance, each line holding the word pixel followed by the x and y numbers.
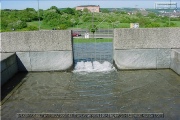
pixel 94 66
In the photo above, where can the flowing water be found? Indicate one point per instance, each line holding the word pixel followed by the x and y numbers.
pixel 142 91
pixel 94 86
pixel 94 66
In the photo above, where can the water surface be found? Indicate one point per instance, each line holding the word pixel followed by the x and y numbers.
pixel 142 91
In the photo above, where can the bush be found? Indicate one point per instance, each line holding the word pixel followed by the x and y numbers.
pixel 4 24
pixel 143 22
pixel 171 24
pixel 31 28
pixel 93 28
pixel 21 24
pixel 175 19
pixel 152 25
pixel 17 25
pixel 62 27
pixel 152 15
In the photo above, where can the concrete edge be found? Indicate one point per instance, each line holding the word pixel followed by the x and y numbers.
pixel 45 61
pixel 173 64
pixel 175 61
pixel 9 66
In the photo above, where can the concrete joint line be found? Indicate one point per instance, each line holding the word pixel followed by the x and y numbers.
pixel 30 61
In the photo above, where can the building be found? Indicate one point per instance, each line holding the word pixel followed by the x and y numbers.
pixel 134 25
pixel 165 5
pixel 91 8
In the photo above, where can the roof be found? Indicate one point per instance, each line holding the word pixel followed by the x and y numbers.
pixel 166 3
pixel 88 6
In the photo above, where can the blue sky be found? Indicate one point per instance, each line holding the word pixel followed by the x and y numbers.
pixel 45 4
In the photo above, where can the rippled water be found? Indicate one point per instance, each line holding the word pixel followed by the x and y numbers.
pixel 142 91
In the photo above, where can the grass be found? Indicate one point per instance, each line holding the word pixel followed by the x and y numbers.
pixel 91 40
pixel 177 23
pixel 124 25
pixel 42 26
pixel 98 24
pixel 104 25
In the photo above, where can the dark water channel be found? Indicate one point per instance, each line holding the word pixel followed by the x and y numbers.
pixel 142 91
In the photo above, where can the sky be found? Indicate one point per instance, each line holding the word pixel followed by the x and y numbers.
pixel 45 4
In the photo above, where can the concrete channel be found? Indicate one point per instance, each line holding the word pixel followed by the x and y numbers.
pixel 36 71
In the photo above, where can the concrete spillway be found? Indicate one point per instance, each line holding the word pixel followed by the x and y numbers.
pixel 153 48
pixel 136 91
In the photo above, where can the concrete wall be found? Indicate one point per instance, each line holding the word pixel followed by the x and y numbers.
pixel 175 60
pixel 145 48
pixel 142 58
pixel 45 61
pixel 40 50
pixel 56 40
pixel 133 48
pixel 145 38
pixel 8 66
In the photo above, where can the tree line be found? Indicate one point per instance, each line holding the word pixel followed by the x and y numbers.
pixel 68 17
pixel 53 17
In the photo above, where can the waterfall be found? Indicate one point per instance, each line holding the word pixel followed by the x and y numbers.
pixel 94 66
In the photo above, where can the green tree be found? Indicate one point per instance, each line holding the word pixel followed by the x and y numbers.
pixel 152 15
pixel 4 24
pixel 51 18
pixel 116 24
pixel 143 21
pixel 169 25
pixel 41 14
pixel 17 25
pixel 55 9
pixel 138 14
pixel 125 19
pixel 27 15
pixel 69 11
pixel 105 10
pixel 93 29
pixel 78 13
pixel 123 12
pixel 30 9
pixel 85 10
pixel 152 25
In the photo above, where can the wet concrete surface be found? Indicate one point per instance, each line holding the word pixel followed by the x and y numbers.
pixel 141 91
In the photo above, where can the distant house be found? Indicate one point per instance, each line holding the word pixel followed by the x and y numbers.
pixel 175 14
pixel 172 14
pixel 91 8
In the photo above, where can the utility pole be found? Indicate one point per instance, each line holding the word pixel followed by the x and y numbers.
pixel 136 7
pixel 169 13
pixel 93 18
pixel 93 29
pixel 38 15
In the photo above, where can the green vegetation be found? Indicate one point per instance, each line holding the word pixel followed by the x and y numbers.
pixel 91 40
pixel 37 23
pixel 177 23
pixel 67 18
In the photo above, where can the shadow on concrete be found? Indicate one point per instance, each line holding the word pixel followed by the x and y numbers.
pixel 21 66
pixel 12 83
